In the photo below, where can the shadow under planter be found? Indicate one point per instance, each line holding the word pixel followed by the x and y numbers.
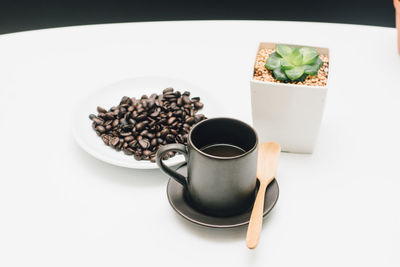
pixel 288 113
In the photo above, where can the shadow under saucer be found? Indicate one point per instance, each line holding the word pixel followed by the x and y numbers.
pixel 178 201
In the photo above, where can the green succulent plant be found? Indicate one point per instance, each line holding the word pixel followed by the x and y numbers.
pixel 292 63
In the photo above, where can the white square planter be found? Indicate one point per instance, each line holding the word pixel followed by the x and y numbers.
pixel 288 114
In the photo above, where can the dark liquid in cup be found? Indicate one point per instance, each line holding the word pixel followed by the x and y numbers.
pixel 223 150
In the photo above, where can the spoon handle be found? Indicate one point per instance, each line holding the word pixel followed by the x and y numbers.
pixel 267 162
pixel 256 219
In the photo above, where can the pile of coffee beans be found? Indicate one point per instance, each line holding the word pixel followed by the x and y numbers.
pixel 139 127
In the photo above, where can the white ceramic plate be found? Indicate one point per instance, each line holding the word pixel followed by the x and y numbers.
pixel 111 96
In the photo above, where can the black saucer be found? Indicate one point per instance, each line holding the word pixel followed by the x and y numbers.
pixel 179 203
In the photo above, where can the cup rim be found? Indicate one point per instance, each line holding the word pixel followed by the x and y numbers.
pixel 217 157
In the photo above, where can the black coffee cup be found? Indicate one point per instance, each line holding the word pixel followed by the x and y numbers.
pixel 221 158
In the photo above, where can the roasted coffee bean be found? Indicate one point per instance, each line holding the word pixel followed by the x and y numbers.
pixel 128 138
pixel 140 107
pixel 186 100
pixel 198 105
pixel 150 103
pixel 92 116
pixel 119 146
pixel 179 113
pixel 108 127
pixel 147 153
pixel 124 100
pixel 101 129
pixel 132 122
pixel 168 90
pixel 179 138
pixel 109 115
pixel 144 143
pixel 155 114
pixel 98 121
pixel 169 96
pixel 144 133
pixel 189 120
pixel 133 143
pixel 153 159
pixel 127 127
pixel 150 135
pixel 164 132
pixel 173 132
pixel 137 156
pixel 171 120
pixel 174 125
pixel 127 152
pixel 115 123
pixel 200 117
pixel 124 134
pixel 141 117
pixel 140 126
pixel 123 121
pixel 153 142
pixel 170 138
pixel 106 140
pixel 114 141
pixel 101 110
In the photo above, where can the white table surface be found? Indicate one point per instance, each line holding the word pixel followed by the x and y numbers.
pixel 60 207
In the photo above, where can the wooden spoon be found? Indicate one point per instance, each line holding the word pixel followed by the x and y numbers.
pixel 267 162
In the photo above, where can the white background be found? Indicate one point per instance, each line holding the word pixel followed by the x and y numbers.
pixel 61 207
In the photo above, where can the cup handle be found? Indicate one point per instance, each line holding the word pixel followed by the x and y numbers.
pixel 168 171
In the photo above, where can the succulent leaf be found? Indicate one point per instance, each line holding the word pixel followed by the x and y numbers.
pixel 295 73
pixel 286 65
pixel 280 75
pixel 273 61
pixel 283 50
pixel 310 55
pixel 313 68
pixel 296 58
